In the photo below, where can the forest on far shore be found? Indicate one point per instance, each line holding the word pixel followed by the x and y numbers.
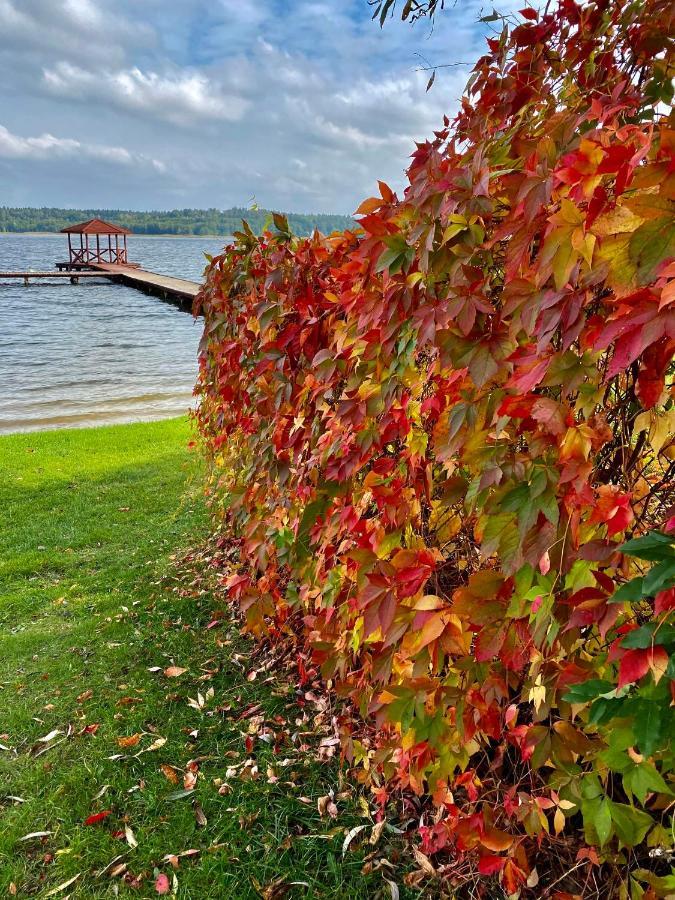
pixel 175 221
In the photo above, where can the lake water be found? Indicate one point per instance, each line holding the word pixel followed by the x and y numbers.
pixel 95 353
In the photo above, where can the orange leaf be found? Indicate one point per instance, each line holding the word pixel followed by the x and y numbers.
pixel 369 206
pixel 170 773
pixel 130 741
pixel 174 671
pixel 496 840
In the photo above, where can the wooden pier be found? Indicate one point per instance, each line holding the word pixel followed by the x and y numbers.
pixel 151 282
pixel 96 260
pixel 178 290
pixel 73 276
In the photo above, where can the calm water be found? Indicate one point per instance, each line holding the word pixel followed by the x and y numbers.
pixel 95 353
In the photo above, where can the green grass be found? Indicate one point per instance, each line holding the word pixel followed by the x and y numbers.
pixel 90 601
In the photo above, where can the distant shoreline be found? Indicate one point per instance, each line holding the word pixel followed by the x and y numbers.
pixel 135 234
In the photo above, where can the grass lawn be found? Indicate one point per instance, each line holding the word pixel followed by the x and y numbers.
pixel 91 616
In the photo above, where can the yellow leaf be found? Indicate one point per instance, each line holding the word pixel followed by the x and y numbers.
pixel 618 221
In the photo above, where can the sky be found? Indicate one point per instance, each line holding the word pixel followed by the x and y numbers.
pixel 297 105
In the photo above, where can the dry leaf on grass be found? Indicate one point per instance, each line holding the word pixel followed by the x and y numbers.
pixel 169 773
pixel 174 671
pixel 62 887
pixel 131 741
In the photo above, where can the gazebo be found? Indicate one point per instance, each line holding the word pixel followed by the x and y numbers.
pixel 104 252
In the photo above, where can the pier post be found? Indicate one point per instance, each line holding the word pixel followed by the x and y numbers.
pixel 25 280
pixel 74 279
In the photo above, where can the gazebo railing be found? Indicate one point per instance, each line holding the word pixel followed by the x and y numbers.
pixel 86 254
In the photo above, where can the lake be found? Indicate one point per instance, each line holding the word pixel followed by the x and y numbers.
pixel 95 353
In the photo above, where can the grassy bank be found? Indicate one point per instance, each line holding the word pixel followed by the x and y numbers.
pixel 98 720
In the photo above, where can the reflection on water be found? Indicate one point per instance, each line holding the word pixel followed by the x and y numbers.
pixel 95 353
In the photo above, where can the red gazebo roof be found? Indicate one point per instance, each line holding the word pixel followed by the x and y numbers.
pixel 96 226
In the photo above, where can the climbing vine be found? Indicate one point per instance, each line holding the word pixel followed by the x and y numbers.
pixel 445 445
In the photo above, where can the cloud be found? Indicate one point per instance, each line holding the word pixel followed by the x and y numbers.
pixel 89 30
pixel 48 147
pixel 303 104
pixel 182 98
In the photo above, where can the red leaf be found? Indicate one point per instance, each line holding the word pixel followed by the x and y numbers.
pixel 162 884
pixel 98 817
pixel 528 13
pixel 490 865
pixel 664 601
pixel 634 665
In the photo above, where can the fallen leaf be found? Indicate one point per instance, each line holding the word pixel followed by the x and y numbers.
pixel 326 806
pixel 86 695
pixel 174 672
pixel 97 817
pixel 63 886
pixel 130 741
pixel 130 837
pixel 351 834
pixel 377 832
pixel 155 745
pixel 49 737
pixel 169 773
pixel 200 817
pixel 178 795
pixel 35 834
pixel 423 862
pixel 162 884
pixel 393 889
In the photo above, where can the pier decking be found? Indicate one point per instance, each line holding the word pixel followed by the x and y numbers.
pixel 74 274
pixel 151 282
pixel 179 290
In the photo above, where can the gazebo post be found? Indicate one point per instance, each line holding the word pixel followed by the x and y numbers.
pixel 125 249
pixel 109 247
pixel 70 250
pixel 98 249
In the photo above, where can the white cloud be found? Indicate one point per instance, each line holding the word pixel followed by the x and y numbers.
pixel 89 30
pixel 49 147
pixel 303 104
pixel 180 98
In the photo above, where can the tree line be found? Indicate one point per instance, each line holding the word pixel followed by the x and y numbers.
pixel 176 221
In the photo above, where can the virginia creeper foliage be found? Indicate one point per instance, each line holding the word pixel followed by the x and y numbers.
pixel 445 445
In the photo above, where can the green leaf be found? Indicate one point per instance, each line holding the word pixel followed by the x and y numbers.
pixel 650 245
pixel 649 718
pixel 660 578
pixel 548 504
pixel 653 547
pixel 390 260
pixel 281 223
pixel 605 709
pixel 482 366
pixel 631 825
pixel 516 498
pixel 629 592
pixel 641 638
pixel 587 690
pixel 603 821
pixel 643 779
